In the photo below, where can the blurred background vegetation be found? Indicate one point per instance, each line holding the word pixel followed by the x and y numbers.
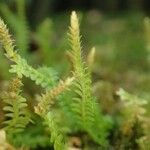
pixel 115 27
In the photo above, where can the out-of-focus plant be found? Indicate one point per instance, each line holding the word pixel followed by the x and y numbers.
pixel 147 35
pixel 134 127
pixel 3 142
pixel 43 37
pixel 18 23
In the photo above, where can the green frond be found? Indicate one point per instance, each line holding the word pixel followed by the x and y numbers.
pixel 7 41
pixel 84 105
pixel 57 136
pixel 45 111
pixel 16 113
pixel 48 72
pixel 21 67
pixel 45 80
pixel 47 99
pixel 32 137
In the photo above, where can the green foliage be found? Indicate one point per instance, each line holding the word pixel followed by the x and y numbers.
pixel 32 137
pixel 84 106
pixel 63 118
pixel 44 109
pixel 23 69
pixel 16 115
pixel 57 137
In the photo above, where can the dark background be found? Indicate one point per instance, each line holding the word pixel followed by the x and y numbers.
pixel 38 9
pixel 55 6
pixel 105 5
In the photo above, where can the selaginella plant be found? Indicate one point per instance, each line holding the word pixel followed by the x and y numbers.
pixel 85 114
pixel 84 106
pixel 25 38
pixel 16 113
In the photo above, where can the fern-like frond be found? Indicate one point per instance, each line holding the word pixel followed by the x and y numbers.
pixel 47 99
pixel 57 136
pixel 7 41
pixel 16 113
pixel 32 137
pixel 21 66
pixel 82 83
pixel 84 106
pixel 44 109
